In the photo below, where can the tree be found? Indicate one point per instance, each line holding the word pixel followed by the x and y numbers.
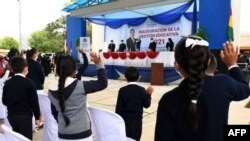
pixel 39 40
pixel 89 29
pixel 51 38
pixel 8 42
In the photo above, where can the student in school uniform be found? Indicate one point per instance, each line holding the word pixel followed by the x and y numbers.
pixel 69 99
pixel 130 102
pixel 35 72
pixel 198 108
pixel 20 97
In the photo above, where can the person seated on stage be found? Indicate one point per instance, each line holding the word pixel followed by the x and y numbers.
pixel 130 102
pixel 170 45
pixel 138 44
pixel 122 46
pixel 111 47
pixel 152 45
pixel 212 65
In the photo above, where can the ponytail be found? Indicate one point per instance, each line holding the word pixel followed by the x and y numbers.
pixel 65 67
pixel 197 66
pixel 61 86
pixel 191 53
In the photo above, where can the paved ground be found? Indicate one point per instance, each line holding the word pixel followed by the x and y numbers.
pixel 107 99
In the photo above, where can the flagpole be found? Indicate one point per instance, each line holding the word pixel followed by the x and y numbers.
pixel 20 24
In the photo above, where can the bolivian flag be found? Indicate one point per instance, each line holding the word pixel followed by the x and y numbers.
pixel 230 31
pixel 65 47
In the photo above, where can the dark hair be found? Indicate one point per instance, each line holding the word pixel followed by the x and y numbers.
pixel 111 41
pixel 31 52
pixel 17 64
pixel 13 52
pixel 211 68
pixel 132 30
pixel 65 67
pixel 132 74
pixel 170 40
pixel 193 60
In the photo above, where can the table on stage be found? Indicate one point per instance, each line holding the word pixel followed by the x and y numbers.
pixel 116 64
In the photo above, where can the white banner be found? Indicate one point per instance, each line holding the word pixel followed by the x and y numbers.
pixel 160 33
pixel 149 29
pixel 85 45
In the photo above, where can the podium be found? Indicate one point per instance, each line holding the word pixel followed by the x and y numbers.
pixel 157 74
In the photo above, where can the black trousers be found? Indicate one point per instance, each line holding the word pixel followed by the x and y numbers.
pixel 22 124
pixel 133 129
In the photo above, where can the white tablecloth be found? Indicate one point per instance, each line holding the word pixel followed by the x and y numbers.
pixel 167 58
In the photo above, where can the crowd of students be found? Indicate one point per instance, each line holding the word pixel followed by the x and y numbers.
pixel 196 110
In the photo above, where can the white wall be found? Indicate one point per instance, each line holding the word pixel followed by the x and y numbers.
pixel 236 6
pixel 97 37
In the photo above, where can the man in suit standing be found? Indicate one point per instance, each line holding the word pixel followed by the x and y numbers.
pixel 131 43
pixel 152 45
pixel 111 46
pixel 122 46
pixel 138 44
pixel 170 45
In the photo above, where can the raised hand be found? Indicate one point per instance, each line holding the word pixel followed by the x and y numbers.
pixel 80 50
pixel 96 59
pixel 150 89
pixel 230 54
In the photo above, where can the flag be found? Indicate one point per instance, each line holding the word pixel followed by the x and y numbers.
pixel 230 32
pixel 194 20
pixel 65 48
pixel 70 49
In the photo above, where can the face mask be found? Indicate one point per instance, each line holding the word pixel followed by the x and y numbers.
pixel 36 58
pixel 176 68
pixel 178 73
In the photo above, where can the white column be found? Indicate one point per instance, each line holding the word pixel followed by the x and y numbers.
pixel 236 6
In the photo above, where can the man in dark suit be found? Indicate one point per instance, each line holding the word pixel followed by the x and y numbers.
pixel 138 44
pixel 170 45
pixel 152 45
pixel 111 46
pixel 131 43
pixel 36 73
pixel 122 46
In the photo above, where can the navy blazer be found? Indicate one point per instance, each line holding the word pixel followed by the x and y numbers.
pixel 212 105
pixel 152 46
pixel 35 73
pixel 20 97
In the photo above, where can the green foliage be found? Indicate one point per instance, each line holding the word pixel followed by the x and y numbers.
pixel 39 40
pixel 69 2
pixel 51 38
pixel 89 29
pixel 8 42
pixel 201 33
pixel 248 105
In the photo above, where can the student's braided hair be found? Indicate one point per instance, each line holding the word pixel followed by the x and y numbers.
pixel 66 66
pixel 193 59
